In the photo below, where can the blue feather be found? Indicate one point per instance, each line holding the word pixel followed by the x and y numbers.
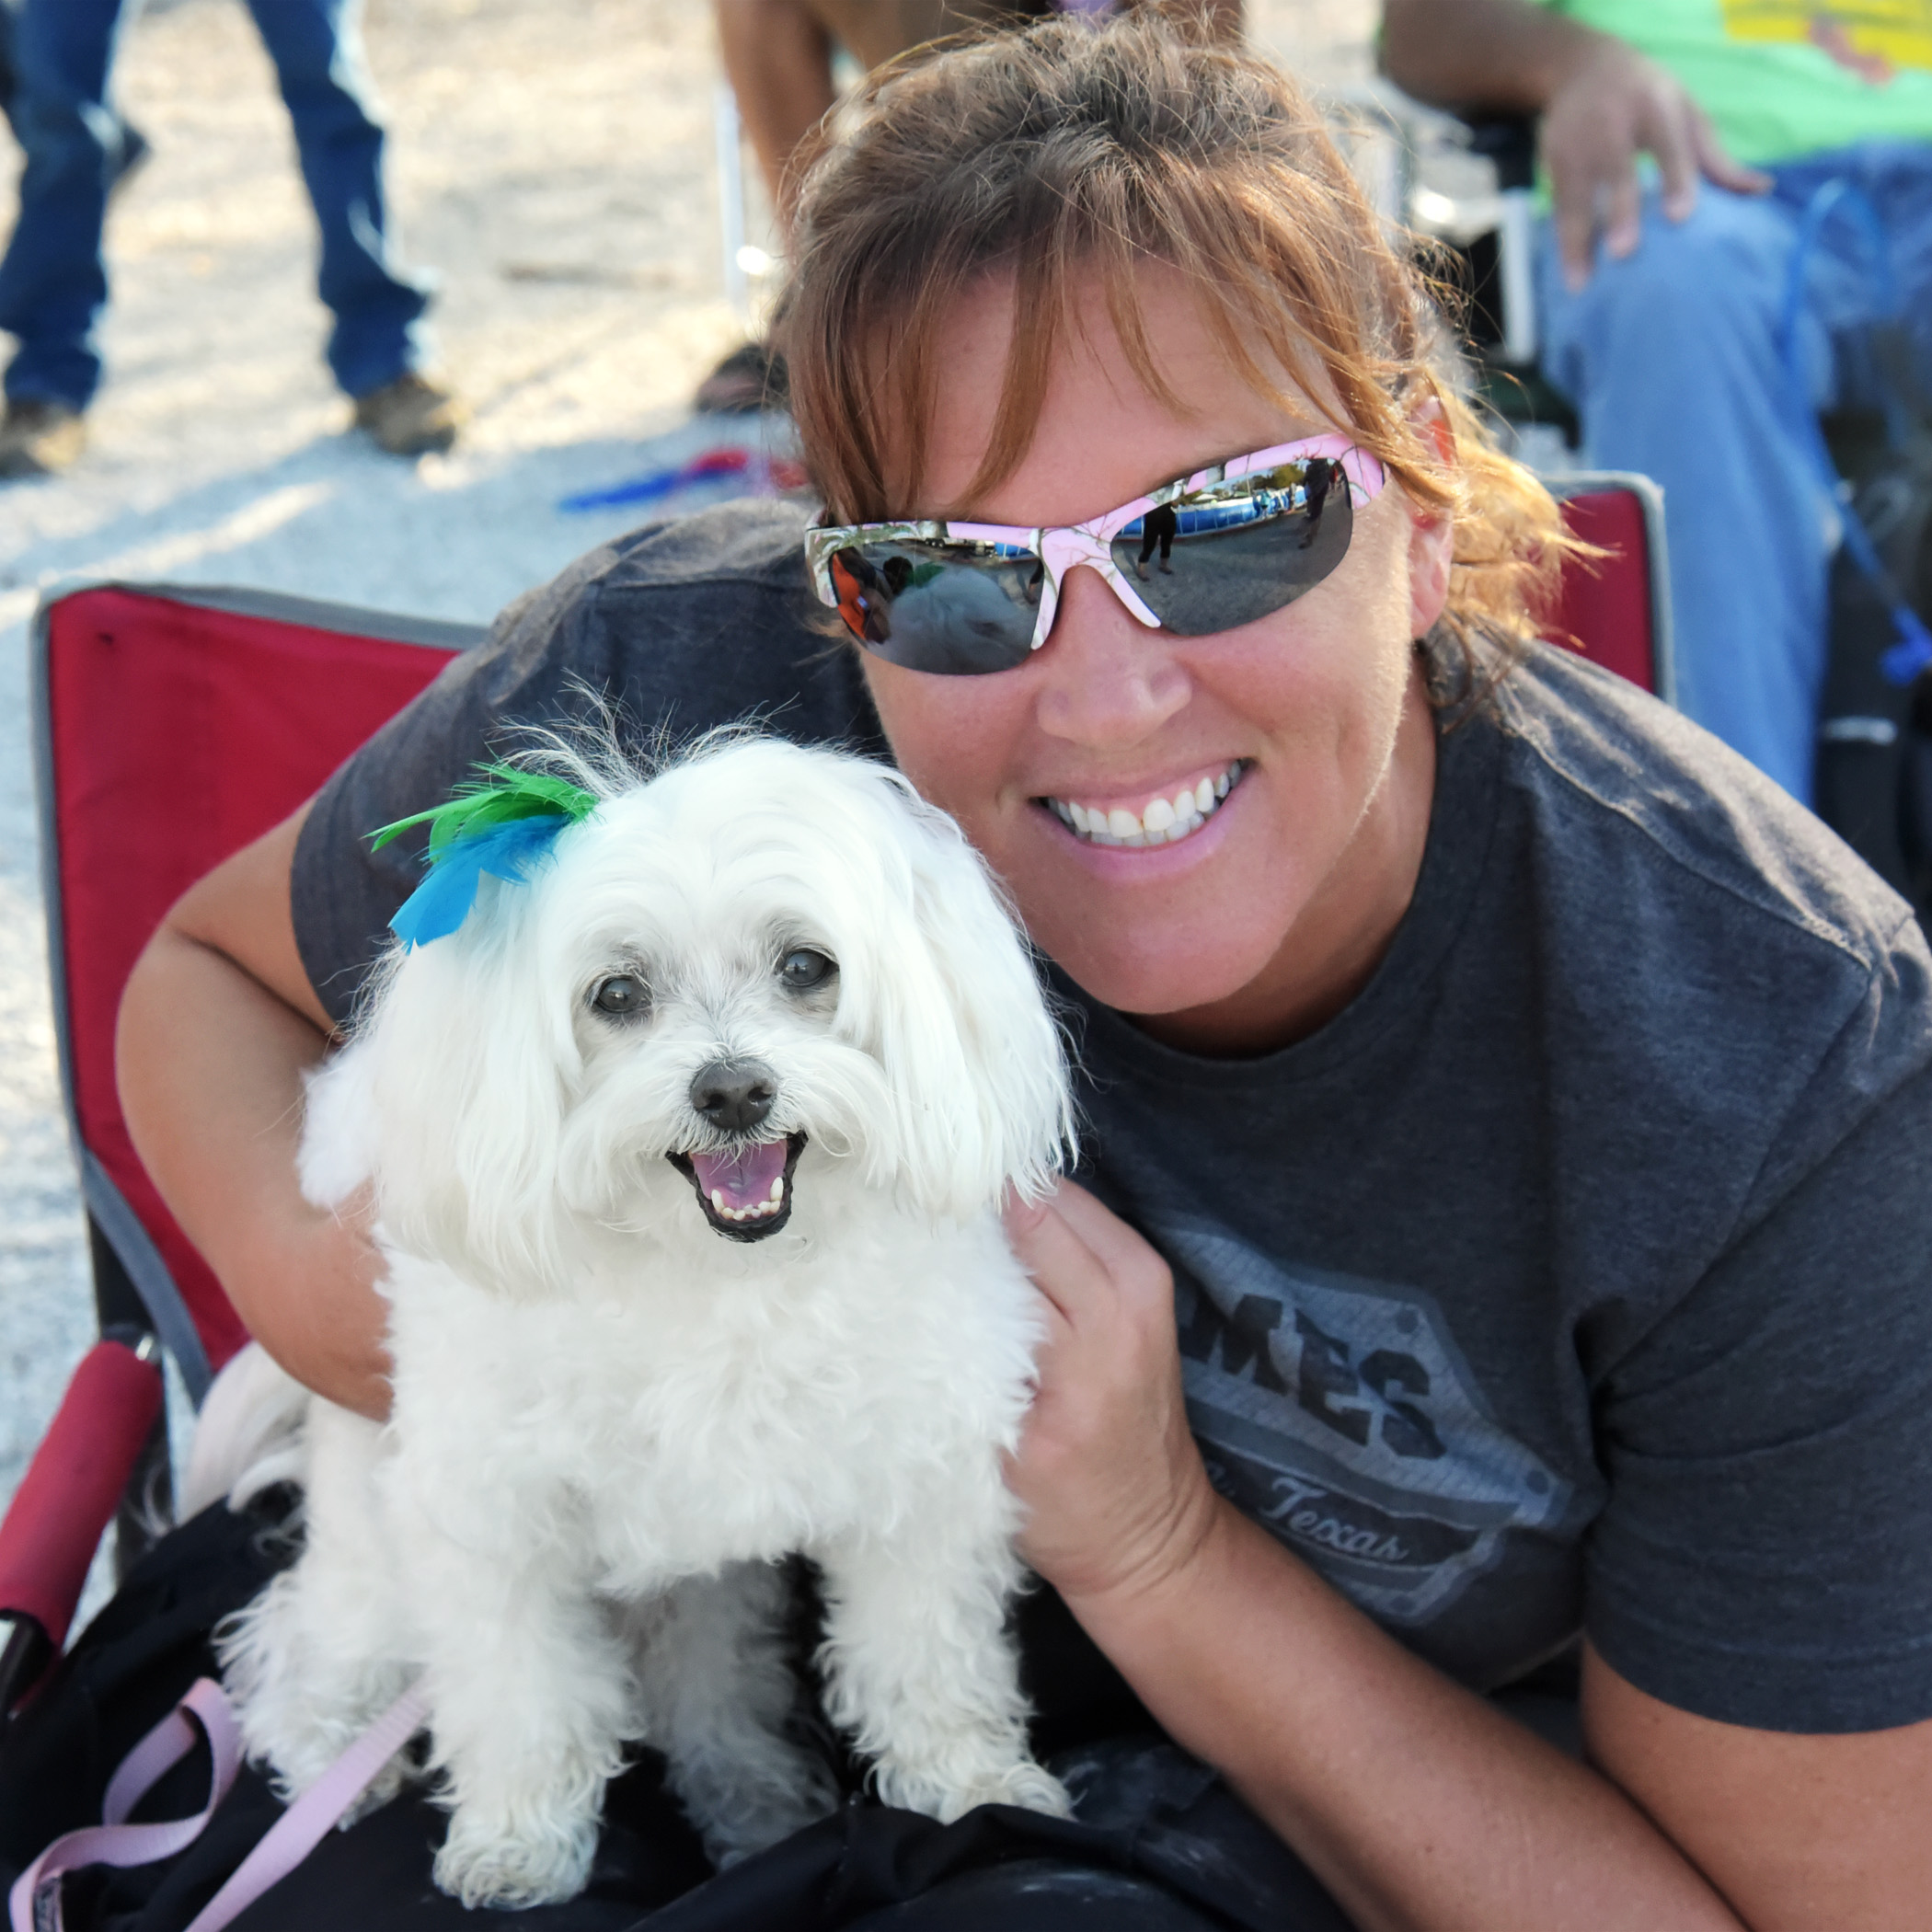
pixel 509 851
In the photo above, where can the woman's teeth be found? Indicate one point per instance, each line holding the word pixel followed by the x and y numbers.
pixel 1160 821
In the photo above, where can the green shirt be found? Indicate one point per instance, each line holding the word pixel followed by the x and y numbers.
pixel 1784 78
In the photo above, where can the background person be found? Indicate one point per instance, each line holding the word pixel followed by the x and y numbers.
pixel 1505 1238
pixel 1661 304
pixel 778 56
pixel 53 283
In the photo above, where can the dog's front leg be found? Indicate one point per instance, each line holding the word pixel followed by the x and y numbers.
pixel 919 1666
pixel 530 1697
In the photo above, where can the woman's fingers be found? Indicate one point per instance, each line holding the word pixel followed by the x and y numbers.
pixel 1112 1483
pixel 1083 1255
pixel 1064 1269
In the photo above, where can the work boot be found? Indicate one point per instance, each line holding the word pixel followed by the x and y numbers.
pixel 40 437
pixel 412 415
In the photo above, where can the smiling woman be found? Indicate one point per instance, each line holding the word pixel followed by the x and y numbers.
pixel 1502 1245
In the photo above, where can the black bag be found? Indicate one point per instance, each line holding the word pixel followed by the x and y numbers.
pixel 1161 1846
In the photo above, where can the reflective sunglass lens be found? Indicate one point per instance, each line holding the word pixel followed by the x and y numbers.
pixel 955 608
pixel 1240 550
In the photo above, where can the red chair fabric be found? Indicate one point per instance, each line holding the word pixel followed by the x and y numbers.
pixel 175 733
pixel 1613 609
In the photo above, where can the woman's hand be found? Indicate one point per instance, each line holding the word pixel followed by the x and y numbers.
pixel 1117 1500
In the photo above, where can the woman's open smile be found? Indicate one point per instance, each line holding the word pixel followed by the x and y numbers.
pixel 1163 819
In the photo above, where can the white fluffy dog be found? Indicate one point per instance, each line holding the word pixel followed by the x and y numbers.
pixel 686 1154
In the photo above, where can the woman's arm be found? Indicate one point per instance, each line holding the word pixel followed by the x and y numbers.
pixel 1419 1805
pixel 217 1027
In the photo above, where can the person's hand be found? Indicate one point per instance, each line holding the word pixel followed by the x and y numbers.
pixel 1117 1499
pixel 1611 106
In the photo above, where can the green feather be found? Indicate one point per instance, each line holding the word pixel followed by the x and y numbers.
pixel 501 793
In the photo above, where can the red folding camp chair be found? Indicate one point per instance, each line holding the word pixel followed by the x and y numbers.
pixel 175 725
pixel 172 727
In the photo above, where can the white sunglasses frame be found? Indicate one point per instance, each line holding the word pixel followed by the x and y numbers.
pixel 1067 547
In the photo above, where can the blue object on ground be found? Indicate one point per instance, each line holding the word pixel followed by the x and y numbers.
pixel 656 483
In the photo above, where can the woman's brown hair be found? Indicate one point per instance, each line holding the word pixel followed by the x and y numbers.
pixel 1071 149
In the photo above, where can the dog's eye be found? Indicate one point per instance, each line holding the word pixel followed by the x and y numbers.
pixel 804 969
pixel 622 995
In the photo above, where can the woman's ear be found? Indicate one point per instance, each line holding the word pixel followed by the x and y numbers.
pixel 1432 552
pixel 1431 536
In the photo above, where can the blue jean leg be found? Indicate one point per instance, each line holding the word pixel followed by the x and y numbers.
pixel 52 283
pixel 316 47
pixel 1672 359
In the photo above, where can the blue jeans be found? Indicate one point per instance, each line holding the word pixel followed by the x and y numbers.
pixel 1673 361
pixel 53 284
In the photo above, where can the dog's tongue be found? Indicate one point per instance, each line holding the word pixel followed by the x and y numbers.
pixel 744 1174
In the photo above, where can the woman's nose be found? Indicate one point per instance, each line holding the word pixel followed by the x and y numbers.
pixel 1106 679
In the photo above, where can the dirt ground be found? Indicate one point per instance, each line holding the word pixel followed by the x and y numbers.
pixel 554 161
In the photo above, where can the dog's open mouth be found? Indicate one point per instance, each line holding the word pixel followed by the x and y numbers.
pixel 744 1189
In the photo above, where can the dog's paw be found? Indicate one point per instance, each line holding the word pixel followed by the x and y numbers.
pixel 1021 1783
pixel 1025 1785
pixel 481 1864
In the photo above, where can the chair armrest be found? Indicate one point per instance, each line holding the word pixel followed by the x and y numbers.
pixel 69 1492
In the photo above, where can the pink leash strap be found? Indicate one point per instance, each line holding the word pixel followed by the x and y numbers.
pixel 34 1903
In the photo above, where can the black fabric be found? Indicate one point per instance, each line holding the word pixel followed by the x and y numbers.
pixel 1575 1275
pixel 1874 741
pixel 1161 1846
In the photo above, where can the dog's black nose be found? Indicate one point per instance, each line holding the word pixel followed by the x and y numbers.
pixel 735 1094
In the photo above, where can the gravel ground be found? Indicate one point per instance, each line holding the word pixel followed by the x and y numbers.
pixel 554 161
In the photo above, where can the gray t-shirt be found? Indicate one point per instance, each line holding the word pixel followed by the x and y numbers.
pixel 1574 1277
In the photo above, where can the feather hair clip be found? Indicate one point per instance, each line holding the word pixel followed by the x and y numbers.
pixel 503 822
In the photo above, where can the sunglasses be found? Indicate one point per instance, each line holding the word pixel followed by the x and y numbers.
pixel 1236 541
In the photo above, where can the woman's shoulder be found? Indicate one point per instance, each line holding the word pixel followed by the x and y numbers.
pixel 1659 819
pixel 701 611
pixel 1752 976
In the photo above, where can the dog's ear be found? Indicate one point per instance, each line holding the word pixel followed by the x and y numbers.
pixel 472 1065
pixel 974 1058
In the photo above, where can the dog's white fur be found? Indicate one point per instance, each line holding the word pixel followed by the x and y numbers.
pixel 610 1420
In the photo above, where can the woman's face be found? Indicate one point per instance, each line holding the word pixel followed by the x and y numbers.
pixel 1266 920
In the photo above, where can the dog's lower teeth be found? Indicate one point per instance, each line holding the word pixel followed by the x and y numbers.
pixel 757 1211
